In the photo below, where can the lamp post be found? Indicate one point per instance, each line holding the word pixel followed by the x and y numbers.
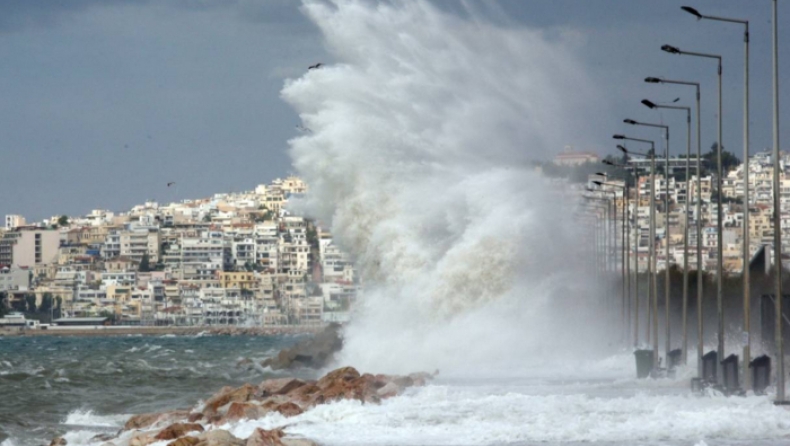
pixel 684 317
pixel 652 246
pixel 719 229
pixel 780 363
pixel 622 245
pixel 636 248
pixel 700 347
pixel 667 345
pixel 746 249
pixel 626 249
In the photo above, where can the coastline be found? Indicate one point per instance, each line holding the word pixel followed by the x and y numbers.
pixel 193 330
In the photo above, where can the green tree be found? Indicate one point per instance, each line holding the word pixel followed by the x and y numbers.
pixel 30 300
pixel 728 160
pixel 145 264
pixel 59 307
pixel 63 220
pixel 3 303
pixel 46 303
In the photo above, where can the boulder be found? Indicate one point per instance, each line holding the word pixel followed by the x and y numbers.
pixel 289 409
pixel 177 430
pixel 243 411
pixel 280 386
pixel 58 441
pixel 218 437
pixel 262 437
pixel 185 441
pixel 238 395
pixel 389 390
pixel 147 420
pixel 141 439
pixel 315 352
pixel 336 376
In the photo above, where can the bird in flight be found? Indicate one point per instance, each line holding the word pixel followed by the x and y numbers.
pixel 313 67
pixel 171 183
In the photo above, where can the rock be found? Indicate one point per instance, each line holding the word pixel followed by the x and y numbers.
pixel 262 437
pixel 243 411
pixel 245 364
pixel 178 430
pixel 389 390
pixel 338 375
pixel 315 352
pixel 298 442
pixel 280 386
pixel 58 441
pixel 185 441
pixel 193 417
pixel 289 409
pixel 141 439
pixel 146 420
pixel 218 437
pixel 97 438
pixel 239 395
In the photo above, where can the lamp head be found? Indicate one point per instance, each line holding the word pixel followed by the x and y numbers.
pixel 618 136
pixel 649 104
pixel 622 149
pixel 599 183
pixel 692 11
pixel 602 174
pixel 653 80
pixel 670 49
pixel 608 163
pixel 629 121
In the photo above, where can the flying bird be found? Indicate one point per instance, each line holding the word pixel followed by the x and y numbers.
pixel 676 99
pixel 171 183
pixel 313 67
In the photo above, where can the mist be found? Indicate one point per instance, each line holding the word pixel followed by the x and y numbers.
pixel 417 150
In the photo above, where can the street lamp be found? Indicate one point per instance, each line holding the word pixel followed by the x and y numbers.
pixel 628 251
pixel 666 233
pixel 746 243
pixel 700 347
pixel 625 274
pixel 653 105
pixel 780 356
pixel 719 229
pixel 652 246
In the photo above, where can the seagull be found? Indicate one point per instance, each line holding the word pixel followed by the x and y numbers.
pixel 171 183
pixel 676 99
pixel 313 67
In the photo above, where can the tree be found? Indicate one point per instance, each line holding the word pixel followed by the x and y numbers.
pixel 145 264
pixel 3 309
pixel 30 300
pixel 63 220
pixel 58 307
pixel 46 303
pixel 728 160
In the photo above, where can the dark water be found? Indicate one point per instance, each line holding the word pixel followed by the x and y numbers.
pixel 45 379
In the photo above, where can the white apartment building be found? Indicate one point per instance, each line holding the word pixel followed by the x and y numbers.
pixel 14 221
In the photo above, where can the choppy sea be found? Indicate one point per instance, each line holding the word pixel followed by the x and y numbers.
pixel 80 387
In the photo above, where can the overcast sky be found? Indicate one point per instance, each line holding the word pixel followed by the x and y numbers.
pixel 106 101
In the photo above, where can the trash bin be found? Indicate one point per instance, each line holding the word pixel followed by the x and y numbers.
pixel 709 363
pixel 674 358
pixel 644 363
pixel 761 373
pixel 729 368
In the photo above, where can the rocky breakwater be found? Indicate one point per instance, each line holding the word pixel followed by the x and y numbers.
pixel 287 396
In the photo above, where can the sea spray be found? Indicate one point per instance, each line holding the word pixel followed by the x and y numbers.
pixel 418 147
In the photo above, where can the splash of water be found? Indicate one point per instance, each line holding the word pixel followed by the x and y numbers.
pixel 419 149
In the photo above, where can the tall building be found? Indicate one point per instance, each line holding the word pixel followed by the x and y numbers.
pixel 29 246
pixel 14 221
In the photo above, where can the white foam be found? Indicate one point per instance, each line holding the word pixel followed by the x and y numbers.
pixel 89 418
pixel 448 415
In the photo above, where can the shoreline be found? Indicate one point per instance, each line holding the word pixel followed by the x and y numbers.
pixel 193 330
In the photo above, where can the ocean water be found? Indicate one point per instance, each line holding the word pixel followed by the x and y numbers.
pixel 80 387
pixel 53 385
